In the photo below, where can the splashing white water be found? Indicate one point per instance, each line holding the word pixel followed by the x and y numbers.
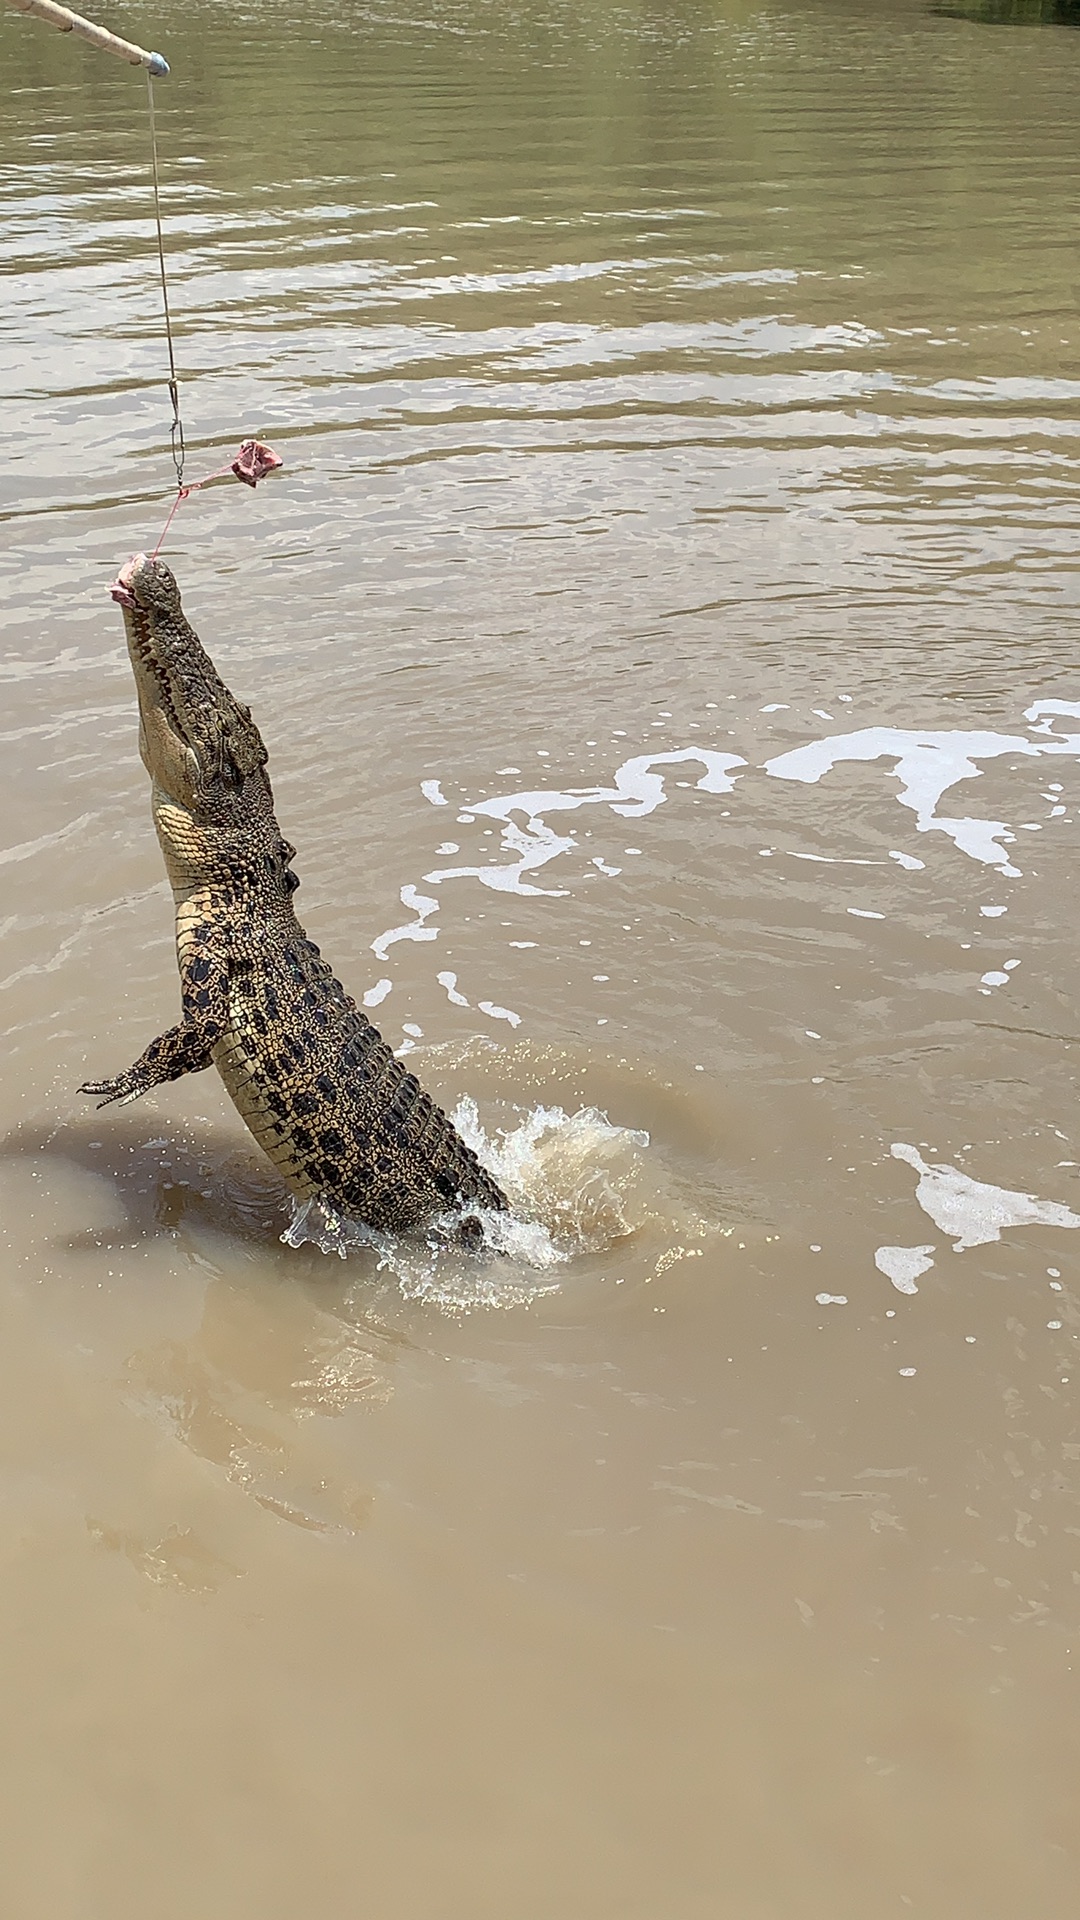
pixel 570 1180
pixel 573 1175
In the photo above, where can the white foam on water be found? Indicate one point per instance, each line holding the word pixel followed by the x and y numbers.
pixel 423 907
pixel 835 859
pixel 972 1212
pixel 499 1013
pixel 1038 718
pixel 449 981
pixel 534 842
pixel 571 1180
pixel 637 791
pixel 927 765
pixel 378 992
pixel 903 1265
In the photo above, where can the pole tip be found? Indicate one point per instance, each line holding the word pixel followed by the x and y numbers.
pixel 158 66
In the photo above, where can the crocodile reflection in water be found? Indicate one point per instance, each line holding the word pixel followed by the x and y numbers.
pixel 322 1092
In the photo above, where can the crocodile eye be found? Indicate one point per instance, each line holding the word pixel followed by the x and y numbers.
pixel 292 880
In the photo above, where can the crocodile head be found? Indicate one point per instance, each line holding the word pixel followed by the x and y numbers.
pixel 197 742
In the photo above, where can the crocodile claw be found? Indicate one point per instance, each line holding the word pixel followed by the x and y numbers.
pixel 118 1089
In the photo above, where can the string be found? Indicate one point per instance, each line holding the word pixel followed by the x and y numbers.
pixel 176 431
pixel 182 493
pixel 254 460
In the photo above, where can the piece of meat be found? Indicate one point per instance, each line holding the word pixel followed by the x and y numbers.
pixel 254 461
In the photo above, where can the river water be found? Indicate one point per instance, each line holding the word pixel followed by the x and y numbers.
pixel 665 632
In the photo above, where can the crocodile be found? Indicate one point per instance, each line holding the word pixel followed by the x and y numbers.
pixel 339 1115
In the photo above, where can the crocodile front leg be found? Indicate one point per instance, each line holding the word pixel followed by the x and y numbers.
pixel 189 1047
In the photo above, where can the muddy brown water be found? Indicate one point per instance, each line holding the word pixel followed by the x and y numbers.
pixel 665 631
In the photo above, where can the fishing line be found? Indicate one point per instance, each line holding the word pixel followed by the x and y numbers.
pixel 176 431
pixel 254 459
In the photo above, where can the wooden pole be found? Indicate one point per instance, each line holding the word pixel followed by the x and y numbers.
pixel 68 22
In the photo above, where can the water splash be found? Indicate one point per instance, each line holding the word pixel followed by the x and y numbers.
pixel 575 1175
pixel 573 1184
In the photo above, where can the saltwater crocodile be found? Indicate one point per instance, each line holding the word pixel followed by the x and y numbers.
pixel 322 1092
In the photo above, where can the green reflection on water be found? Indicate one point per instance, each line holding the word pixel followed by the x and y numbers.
pixel 1016 13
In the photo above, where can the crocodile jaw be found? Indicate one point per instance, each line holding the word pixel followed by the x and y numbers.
pixel 197 742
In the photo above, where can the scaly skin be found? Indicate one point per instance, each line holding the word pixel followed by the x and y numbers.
pixel 319 1088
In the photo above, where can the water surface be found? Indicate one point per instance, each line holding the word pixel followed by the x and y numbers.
pixel 665 633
